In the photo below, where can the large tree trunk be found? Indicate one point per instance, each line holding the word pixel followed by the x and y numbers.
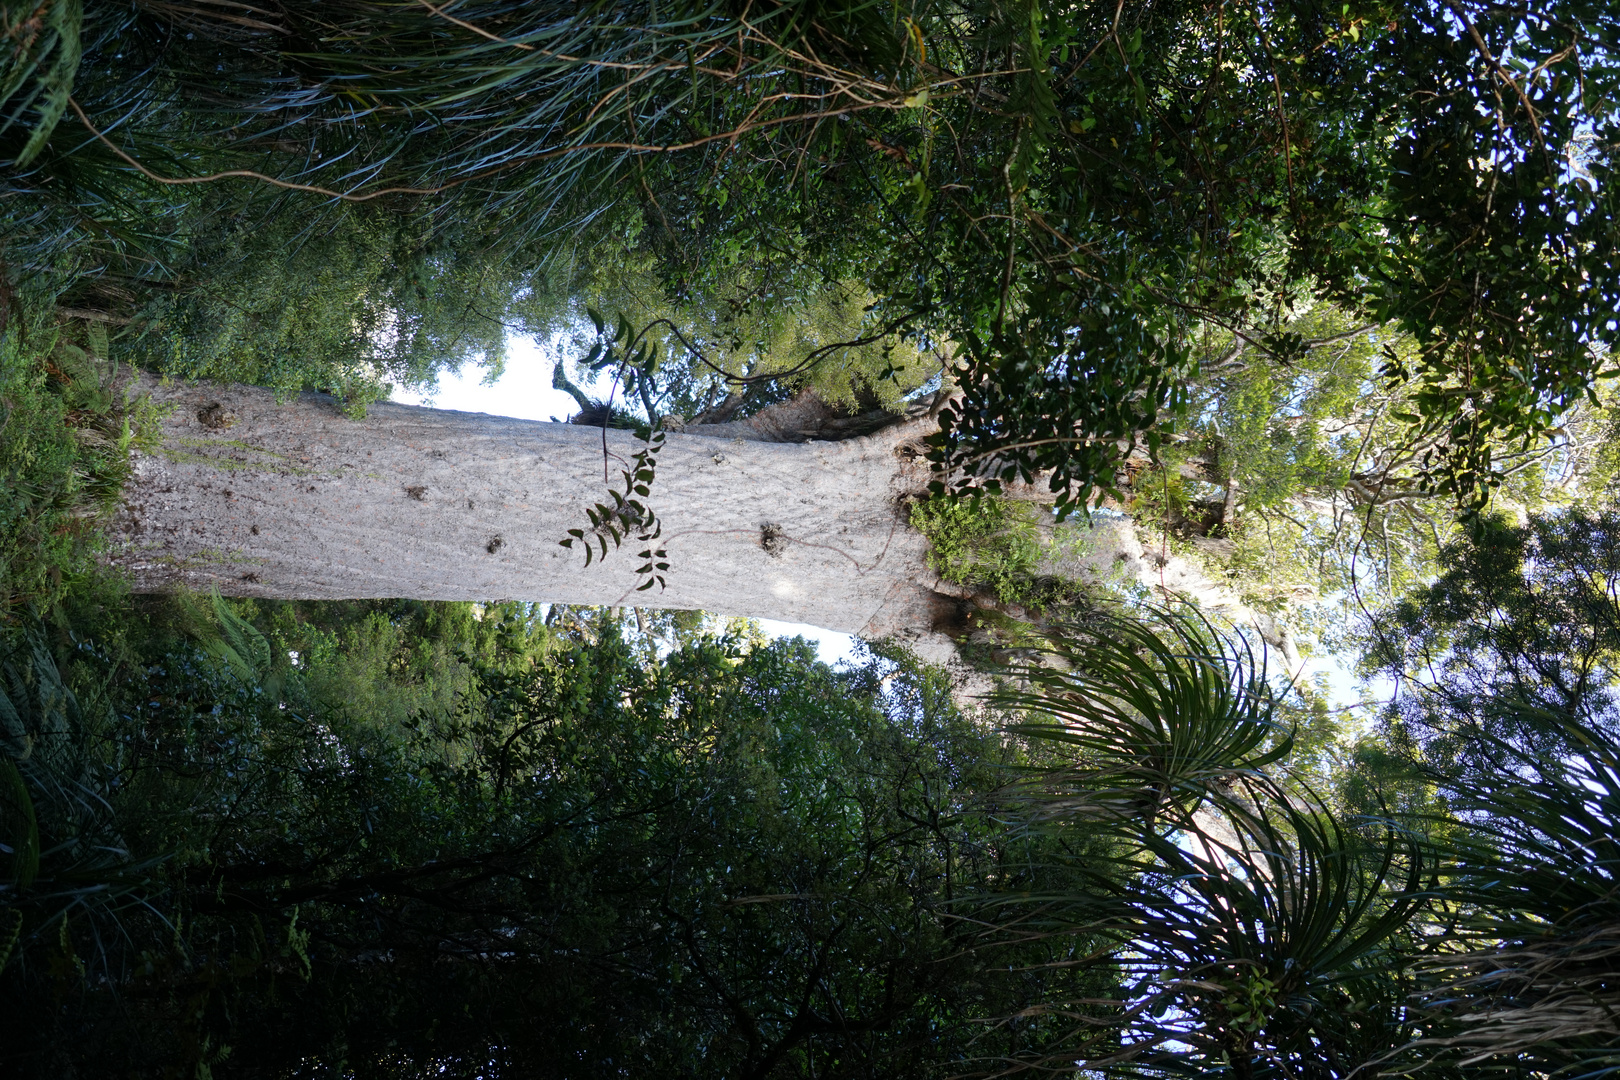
pixel 297 500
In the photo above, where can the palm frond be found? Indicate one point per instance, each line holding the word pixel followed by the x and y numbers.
pixel 1538 874
pixel 1251 932
pixel 1158 717
pixel 67 860
pixel 1270 953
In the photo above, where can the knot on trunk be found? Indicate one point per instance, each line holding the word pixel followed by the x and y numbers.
pixel 215 417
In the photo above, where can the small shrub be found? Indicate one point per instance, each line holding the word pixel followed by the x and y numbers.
pixel 986 541
pixel 66 431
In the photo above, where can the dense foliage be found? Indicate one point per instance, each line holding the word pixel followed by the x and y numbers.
pixel 1056 205
pixel 1518 639
pixel 66 429
pixel 730 860
pixel 1271 277
pixel 392 838
pixel 1503 724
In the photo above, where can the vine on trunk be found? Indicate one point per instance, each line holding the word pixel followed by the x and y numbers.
pixel 629 515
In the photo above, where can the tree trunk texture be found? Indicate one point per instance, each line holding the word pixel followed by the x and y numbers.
pixel 297 500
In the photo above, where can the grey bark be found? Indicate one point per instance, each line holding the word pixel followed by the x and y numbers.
pixel 297 500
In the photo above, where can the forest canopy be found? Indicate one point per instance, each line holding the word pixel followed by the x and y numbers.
pixel 1325 293
pixel 1056 206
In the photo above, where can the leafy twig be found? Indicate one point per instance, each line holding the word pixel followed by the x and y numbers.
pixel 629 515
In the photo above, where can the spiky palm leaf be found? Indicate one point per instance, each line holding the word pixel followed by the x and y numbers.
pixel 1270 952
pixel 1156 717
pixel 518 105
pixel 1537 875
pixel 65 859
pixel 1253 935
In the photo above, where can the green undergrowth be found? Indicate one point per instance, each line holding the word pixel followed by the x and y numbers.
pixel 988 542
pixel 997 547
pixel 66 430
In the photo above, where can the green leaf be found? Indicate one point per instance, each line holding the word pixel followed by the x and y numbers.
pixel 63 17
pixel 11 921
pixel 21 826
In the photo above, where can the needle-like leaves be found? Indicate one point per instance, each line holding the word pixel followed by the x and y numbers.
pixel 1157 717
pixel 1253 935
pixel 1272 951
pixel 1537 876
pixel 64 859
